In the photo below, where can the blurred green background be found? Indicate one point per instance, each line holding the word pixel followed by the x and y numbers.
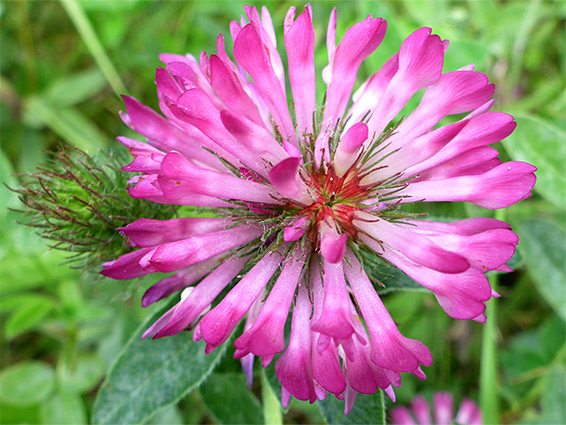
pixel 62 328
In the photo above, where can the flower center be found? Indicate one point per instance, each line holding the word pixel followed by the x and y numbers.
pixel 337 198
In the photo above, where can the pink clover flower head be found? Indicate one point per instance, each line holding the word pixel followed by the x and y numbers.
pixel 442 412
pixel 297 199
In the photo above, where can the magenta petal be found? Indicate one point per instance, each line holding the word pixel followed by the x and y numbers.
pixel 180 176
pixel 416 247
pixel 176 255
pixel 217 325
pixel 421 410
pixel 500 187
pixel 389 349
pixel 296 229
pixel 443 408
pixel 195 108
pixel 146 232
pixel 299 43
pixel 127 266
pixel 228 87
pixel 253 137
pixel 189 309
pixel 178 281
pixel 266 335
pixel 461 295
pixel 335 319
pixel 251 55
pixel 332 244
pixel 419 65
pixel 294 367
pixel 326 368
pixel 358 43
pixel 284 177
pixel 347 150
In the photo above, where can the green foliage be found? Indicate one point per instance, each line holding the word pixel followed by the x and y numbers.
pixel 150 375
pixel 545 254
pixel 78 201
pixel 27 383
pixel 228 400
pixel 541 143
pixel 368 409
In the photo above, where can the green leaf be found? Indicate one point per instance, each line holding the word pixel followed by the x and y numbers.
pixel 12 302
pixel 75 88
pixel 68 123
pixel 152 374
pixel 83 375
pixel 552 400
pixel 8 198
pixel 64 408
pixel 169 415
pixel 26 383
pixel 28 316
pixel 391 277
pixel 463 53
pixel 272 412
pixel 542 246
pixel 229 401
pixel 10 414
pixel 540 143
pixel 368 409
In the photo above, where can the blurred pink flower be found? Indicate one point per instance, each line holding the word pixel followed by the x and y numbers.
pixel 294 199
pixel 442 412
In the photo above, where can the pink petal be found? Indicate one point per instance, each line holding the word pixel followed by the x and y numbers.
pixel 421 410
pixel 358 43
pixel 402 416
pixel 348 147
pixel 443 408
pixel 335 319
pixel 228 87
pixel 127 266
pixel 178 281
pixel 389 349
pixel 412 245
pixel 369 93
pixel 181 176
pixel 146 232
pixel 162 134
pixel 420 64
pixel 480 131
pixel 253 137
pixel 500 187
pixel 189 309
pixel 299 43
pixel 217 325
pixel 266 335
pixel 196 109
pixel 475 161
pixel 468 413
pixel 326 368
pixel 296 229
pixel 251 55
pixel 176 255
pixel 284 177
pixel 293 368
pixel 332 244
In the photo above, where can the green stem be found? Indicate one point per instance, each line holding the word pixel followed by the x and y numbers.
pixel 272 413
pixel 86 31
pixel 489 397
